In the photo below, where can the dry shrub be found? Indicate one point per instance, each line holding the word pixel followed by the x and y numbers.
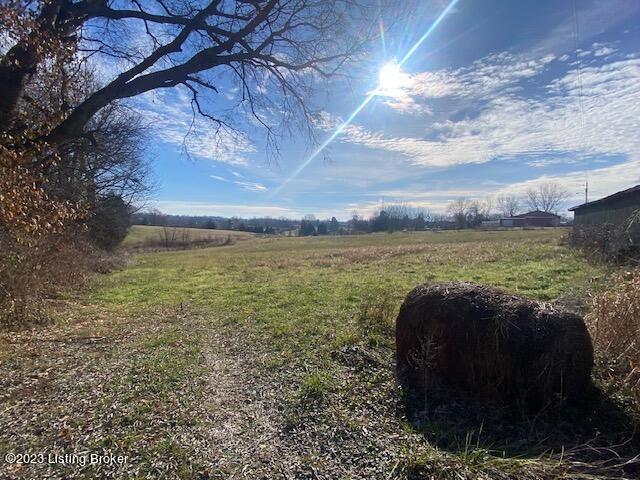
pixel 614 323
pixel 608 242
pixel 31 273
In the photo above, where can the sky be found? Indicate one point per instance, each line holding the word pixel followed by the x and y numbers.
pixel 501 96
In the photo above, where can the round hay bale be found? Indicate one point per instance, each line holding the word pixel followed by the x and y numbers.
pixel 486 341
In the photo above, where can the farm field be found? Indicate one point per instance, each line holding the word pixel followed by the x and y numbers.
pixel 141 234
pixel 273 358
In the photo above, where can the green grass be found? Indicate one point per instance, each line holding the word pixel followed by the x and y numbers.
pixel 292 304
pixel 314 287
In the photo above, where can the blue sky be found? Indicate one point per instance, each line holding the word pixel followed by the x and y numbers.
pixel 502 96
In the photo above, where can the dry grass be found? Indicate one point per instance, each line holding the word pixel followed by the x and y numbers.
pixel 150 236
pixel 44 269
pixel 614 322
pixel 214 363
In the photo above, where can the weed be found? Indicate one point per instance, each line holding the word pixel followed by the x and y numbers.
pixel 376 316
pixel 614 322
pixel 316 386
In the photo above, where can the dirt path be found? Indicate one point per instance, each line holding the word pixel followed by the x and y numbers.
pixel 259 426
pixel 141 391
pixel 239 417
pixel 183 397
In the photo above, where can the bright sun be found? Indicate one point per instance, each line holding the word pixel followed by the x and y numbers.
pixel 391 80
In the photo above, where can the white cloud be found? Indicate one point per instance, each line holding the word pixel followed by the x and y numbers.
pixel 545 162
pixel 593 18
pixel 602 181
pixel 171 115
pixel 222 179
pixel 253 186
pixel 483 78
pixel 601 52
pixel 417 193
pixel 246 185
pixel 589 112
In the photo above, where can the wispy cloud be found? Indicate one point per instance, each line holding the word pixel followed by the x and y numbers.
pixel 246 185
pixel 593 18
pixel 217 177
pixel 602 181
pixel 588 112
pixel 171 116
pixel 253 186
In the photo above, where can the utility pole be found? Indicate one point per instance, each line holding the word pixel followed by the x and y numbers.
pixel 586 191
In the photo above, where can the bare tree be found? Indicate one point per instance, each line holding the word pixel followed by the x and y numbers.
pixel 274 49
pixel 478 211
pixel 114 165
pixel 459 210
pixel 508 205
pixel 547 197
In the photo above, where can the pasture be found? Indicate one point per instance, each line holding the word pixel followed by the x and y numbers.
pixel 141 235
pixel 274 357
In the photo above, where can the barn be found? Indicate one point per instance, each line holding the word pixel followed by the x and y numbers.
pixel 614 209
pixel 537 218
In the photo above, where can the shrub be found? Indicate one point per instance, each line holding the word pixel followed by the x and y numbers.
pixel 174 238
pixel 31 272
pixel 110 222
pixel 608 241
pixel 614 323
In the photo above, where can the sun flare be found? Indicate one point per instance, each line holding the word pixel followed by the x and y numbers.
pixel 391 80
pixel 389 76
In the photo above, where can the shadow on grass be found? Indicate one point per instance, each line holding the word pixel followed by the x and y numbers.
pixel 596 435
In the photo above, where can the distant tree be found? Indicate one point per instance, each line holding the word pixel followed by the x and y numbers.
pixel 306 228
pixel 381 222
pixel 508 205
pixel 211 225
pixel 547 197
pixel 359 224
pixel 419 223
pixel 322 228
pixel 459 210
pixel 334 225
pixel 110 221
pixel 478 211
pixel 158 218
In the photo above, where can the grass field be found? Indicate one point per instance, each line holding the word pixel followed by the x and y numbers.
pixel 271 358
pixel 141 234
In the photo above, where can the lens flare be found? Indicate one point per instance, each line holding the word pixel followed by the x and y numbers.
pixel 388 74
pixel 389 77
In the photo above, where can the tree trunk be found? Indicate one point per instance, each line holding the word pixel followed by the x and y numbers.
pixel 21 61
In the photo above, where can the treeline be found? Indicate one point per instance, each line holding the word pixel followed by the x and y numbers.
pixel 460 213
pixel 389 218
pixel 399 217
pixel 265 225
